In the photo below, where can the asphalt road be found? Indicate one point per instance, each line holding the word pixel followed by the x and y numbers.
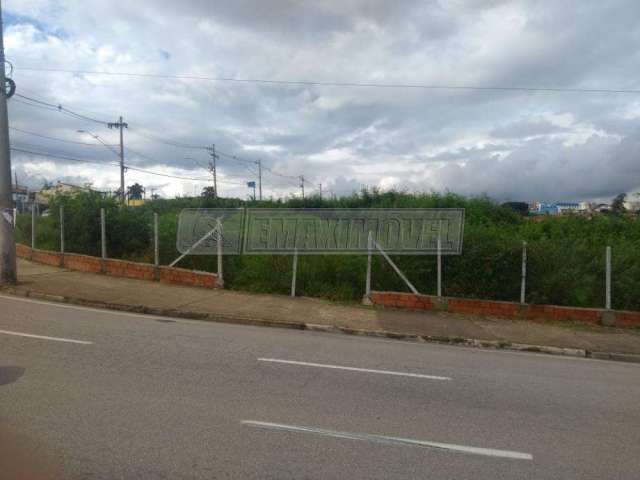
pixel 102 395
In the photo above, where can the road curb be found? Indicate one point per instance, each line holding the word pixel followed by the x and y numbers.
pixel 246 320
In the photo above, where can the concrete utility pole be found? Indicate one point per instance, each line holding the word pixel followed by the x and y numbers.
pixel 213 169
pixel 121 125
pixel 8 272
pixel 302 185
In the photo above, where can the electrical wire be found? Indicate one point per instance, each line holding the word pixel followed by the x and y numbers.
pixel 33 102
pixel 166 141
pixel 59 108
pixel 151 172
pixel 57 139
pixel 72 159
pixel 62 157
pixel 336 83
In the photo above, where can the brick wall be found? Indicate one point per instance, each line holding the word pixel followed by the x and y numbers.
pixel 22 251
pixel 181 276
pixel 472 306
pixel 627 319
pixel 483 307
pixel 48 258
pixel 553 312
pixel 403 300
pixel 119 268
pixel 82 263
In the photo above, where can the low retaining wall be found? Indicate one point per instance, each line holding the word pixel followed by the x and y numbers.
pixel 80 263
pixel 119 268
pixel 619 318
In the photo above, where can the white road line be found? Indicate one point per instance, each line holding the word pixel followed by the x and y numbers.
pixel 43 337
pixel 104 311
pixel 488 452
pixel 353 369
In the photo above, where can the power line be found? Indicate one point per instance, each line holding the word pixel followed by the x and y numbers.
pixel 178 144
pixel 72 159
pixel 335 84
pixel 173 143
pixel 38 146
pixel 135 152
pixel 56 139
pixel 14 100
pixel 59 108
pixel 201 179
pixel 63 157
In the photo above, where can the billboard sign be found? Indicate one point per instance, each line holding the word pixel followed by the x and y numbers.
pixel 317 231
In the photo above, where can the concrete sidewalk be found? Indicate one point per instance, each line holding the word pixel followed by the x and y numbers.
pixel 41 281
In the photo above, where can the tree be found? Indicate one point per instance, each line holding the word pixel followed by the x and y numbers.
pixel 617 206
pixel 209 192
pixel 135 191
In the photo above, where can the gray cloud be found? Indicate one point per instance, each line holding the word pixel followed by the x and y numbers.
pixel 514 145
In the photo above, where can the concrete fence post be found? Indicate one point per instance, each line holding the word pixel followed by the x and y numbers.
pixel 62 229
pixel 103 233
pixel 295 273
pixel 608 279
pixel 220 279
pixel 156 241
pixel 367 294
pixel 523 283
pixel 439 292
pixel 33 225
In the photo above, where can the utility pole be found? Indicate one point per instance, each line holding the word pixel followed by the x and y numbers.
pixel 320 186
pixel 8 274
pixel 213 169
pixel 259 162
pixel 302 185
pixel 121 125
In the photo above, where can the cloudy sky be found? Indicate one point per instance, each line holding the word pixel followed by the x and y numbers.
pixel 509 144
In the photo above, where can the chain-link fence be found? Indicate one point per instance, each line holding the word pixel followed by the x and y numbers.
pixel 572 273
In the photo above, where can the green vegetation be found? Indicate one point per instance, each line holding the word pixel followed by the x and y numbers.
pixel 565 254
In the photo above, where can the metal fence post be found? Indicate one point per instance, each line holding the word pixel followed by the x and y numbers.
pixel 523 284
pixel 61 229
pixel 439 264
pixel 608 278
pixel 103 233
pixel 156 244
pixel 369 258
pixel 295 273
pixel 220 280
pixel 33 225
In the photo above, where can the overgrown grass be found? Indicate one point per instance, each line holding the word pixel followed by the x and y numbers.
pixel 565 254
